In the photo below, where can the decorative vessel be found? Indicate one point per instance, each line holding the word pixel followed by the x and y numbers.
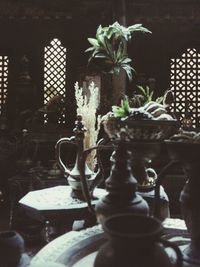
pixel 188 154
pixel 135 240
pixel 12 250
pixel 145 138
pixel 140 130
pixel 82 184
pixel 121 186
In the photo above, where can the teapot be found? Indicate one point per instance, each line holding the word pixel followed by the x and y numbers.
pixel 81 178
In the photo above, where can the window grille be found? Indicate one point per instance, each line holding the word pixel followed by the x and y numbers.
pixel 185 83
pixel 3 81
pixel 55 74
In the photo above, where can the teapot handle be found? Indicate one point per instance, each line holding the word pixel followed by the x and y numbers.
pixel 58 145
pixel 152 173
pixel 179 257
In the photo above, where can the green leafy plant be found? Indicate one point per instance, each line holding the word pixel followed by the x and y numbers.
pixel 138 101
pixel 144 95
pixel 123 109
pixel 148 94
pixel 108 49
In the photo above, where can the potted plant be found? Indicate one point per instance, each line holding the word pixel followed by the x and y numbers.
pixel 108 55
pixel 108 51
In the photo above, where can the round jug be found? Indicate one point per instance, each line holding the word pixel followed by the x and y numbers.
pixel 12 250
pixel 135 241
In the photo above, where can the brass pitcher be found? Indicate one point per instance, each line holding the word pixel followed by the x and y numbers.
pixel 81 178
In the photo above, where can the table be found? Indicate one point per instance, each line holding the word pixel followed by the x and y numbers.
pixel 72 245
pixel 56 206
pixel 23 183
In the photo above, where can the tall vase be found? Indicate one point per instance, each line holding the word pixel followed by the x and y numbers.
pixel 134 240
pixel 189 156
pixel 121 186
pixel 190 199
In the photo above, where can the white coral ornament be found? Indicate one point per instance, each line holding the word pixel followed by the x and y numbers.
pixel 87 108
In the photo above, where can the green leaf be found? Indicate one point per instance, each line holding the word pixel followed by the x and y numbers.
pixel 126 60
pixel 125 103
pixel 93 42
pixel 97 51
pixel 123 109
pixel 128 69
pixel 147 91
pixel 90 49
pixel 109 48
pixel 120 52
pixel 110 32
pixel 99 31
pixel 94 55
pixel 100 55
pixel 138 27
pixel 151 95
pixel 118 111
pixel 142 90
pixel 101 40
pixel 159 100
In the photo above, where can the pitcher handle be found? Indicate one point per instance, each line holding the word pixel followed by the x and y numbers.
pixel 179 256
pixel 152 173
pixel 58 145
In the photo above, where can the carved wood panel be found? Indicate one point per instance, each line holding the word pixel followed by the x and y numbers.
pixel 185 82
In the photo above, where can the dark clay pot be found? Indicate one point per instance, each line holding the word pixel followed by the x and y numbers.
pixel 11 249
pixel 134 241
pixel 188 154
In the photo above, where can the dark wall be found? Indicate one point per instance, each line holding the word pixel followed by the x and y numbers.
pixel 29 37
pixel 27 28
pixel 175 26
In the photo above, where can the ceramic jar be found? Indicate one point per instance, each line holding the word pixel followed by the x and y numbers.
pixel 12 250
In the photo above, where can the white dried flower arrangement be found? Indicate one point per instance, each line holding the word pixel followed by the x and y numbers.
pixel 87 108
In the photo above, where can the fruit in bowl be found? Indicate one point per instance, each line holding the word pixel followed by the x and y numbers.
pixel 149 122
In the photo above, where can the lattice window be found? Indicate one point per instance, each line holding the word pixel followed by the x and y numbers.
pixel 185 82
pixel 3 81
pixel 55 75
